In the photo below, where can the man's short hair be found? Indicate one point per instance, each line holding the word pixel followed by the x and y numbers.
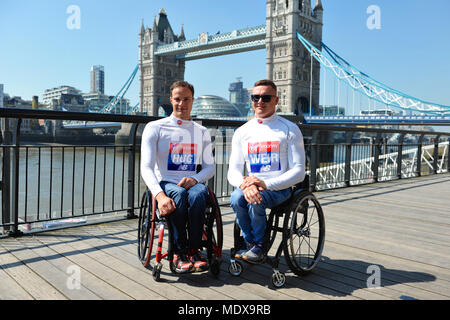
pixel 183 84
pixel 265 82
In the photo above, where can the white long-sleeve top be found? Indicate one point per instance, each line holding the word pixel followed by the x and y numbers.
pixel 171 149
pixel 272 150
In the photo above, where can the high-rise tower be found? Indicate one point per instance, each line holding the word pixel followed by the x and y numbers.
pixel 98 79
pixel 288 62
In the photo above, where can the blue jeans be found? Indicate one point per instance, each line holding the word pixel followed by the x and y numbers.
pixel 251 218
pixel 190 212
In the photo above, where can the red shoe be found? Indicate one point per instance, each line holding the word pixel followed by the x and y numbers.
pixel 198 261
pixel 182 263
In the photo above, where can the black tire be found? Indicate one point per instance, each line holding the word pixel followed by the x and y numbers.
pixel 304 234
pixel 213 230
pixel 215 267
pixel 156 273
pixel 144 225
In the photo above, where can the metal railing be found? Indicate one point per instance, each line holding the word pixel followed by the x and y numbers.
pixel 46 184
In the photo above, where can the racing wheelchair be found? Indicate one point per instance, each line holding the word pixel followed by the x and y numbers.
pixel 301 222
pixel 151 230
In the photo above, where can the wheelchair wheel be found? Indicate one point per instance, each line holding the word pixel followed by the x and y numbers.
pixel 144 224
pixel 147 231
pixel 213 233
pixel 304 234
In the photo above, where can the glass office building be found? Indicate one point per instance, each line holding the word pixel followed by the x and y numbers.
pixel 213 107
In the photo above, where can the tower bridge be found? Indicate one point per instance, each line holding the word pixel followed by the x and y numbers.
pixel 162 54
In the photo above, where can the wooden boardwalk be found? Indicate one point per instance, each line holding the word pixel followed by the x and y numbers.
pixel 399 228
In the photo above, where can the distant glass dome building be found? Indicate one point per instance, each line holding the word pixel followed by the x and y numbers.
pixel 213 107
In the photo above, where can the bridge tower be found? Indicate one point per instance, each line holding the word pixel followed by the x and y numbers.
pixel 288 62
pixel 158 73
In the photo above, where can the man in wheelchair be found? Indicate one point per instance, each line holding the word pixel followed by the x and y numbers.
pixel 172 149
pixel 272 150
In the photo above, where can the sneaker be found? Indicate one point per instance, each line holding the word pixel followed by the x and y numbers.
pixel 246 246
pixel 254 255
pixel 198 261
pixel 182 263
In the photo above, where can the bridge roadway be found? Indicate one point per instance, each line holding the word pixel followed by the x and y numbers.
pixel 402 227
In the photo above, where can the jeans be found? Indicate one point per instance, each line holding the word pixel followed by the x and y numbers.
pixel 190 211
pixel 251 218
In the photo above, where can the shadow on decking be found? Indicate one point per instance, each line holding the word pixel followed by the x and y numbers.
pixel 338 278
pixel 331 277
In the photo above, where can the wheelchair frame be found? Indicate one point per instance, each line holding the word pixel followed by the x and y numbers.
pixel 151 225
pixel 303 206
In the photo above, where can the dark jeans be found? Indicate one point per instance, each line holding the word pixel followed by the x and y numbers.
pixel 251 218
pixel 189 214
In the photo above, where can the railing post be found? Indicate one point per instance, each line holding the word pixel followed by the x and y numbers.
pixel 6 174
pixel 376 156
pixel 400 155
pixel 348 158
pixel 131 170
pixel 313 160
pixel 436 154
pixel 15 181
pixel 419 155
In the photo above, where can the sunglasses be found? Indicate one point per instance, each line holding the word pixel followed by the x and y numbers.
pixel 264 97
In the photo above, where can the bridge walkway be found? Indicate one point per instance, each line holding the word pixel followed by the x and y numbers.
pixel 399 228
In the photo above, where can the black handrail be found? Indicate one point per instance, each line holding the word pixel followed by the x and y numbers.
pixel 314 142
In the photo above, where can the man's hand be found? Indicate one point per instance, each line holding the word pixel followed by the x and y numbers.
pixel 252 180
pixel 187 183
pixel 251 188
pixel 166 205
pixel 252 195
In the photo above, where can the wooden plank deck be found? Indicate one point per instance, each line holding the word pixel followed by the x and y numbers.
pixel 401 227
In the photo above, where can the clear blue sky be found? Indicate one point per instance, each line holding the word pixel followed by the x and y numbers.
pixel 37 51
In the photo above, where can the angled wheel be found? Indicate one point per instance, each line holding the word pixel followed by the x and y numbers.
pixel 144 225
pixel 213 230
pixel 304 234
pixel 147 229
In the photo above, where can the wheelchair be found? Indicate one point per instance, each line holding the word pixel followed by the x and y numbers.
pixel 152 226
pixel 301 221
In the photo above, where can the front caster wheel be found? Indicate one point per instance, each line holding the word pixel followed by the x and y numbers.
pixel 156 272
pixel 278 279
pixel 235 268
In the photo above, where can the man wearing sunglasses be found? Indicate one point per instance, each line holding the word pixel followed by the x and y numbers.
pixel 272 150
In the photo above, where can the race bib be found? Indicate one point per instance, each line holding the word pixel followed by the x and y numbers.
pixel 264 156
pixel 182 157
